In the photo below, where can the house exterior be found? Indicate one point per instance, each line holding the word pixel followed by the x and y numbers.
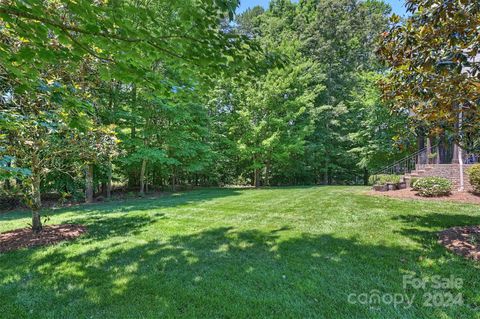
pixel 446 159
pixel 438 156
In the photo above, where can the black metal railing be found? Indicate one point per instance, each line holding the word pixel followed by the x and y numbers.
pixel 406 165
pixel 420 160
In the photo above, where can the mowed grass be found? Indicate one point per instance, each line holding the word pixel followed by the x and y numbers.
pixel 228 253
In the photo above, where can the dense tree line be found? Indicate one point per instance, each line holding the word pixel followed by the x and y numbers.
pixel 158 95
pixel 318 117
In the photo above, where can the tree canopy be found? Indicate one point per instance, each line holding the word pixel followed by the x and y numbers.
pixel 105 96
pixel 433 69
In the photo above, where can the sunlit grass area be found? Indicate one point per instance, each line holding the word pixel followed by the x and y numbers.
pixel 228 253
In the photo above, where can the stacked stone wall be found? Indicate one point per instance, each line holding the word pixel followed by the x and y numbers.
pixel 450 171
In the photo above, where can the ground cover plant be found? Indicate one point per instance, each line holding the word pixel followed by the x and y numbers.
pixel 280 252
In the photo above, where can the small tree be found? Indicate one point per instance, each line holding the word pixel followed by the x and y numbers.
pixel 36 139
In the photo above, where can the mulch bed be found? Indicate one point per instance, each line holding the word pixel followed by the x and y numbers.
pixel 463 241
pixel 24 237
pixel 463 197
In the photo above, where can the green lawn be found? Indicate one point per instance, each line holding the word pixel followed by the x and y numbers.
pixel 226 253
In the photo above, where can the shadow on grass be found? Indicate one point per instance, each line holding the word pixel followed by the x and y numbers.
pixel 138 204
pixel 220 272
pixel 424 229
pixel 99 228
pixel 171 200
pixel 439 220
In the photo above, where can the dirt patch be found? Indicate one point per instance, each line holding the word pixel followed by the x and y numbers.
pixel 463 197
pixel 24 237
pixel 463 241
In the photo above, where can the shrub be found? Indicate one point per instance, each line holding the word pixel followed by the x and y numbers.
pixel 474 176
pixel 384 179
pixel 412 182
pixel 432 186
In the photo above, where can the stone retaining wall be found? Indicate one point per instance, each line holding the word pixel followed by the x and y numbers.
pixel 450 171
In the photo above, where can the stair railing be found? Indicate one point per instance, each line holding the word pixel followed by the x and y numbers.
pixel 406 165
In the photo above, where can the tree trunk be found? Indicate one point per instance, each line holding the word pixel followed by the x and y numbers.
pixel 173 180
pixel 132 170
pixel 429 150
pixel 256 177
pixel 111 99
pixel 109 180
pixel 142 177
pixel 444 151
pixel 7 184
pixel 325 176
pixel 36 221
pixel 89 184
pixel 267 174
pixel 420 139
pixel 365 176
pixel 36 204
pixel 154 178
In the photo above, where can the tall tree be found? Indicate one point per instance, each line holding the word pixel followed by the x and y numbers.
pixel 45 44
pixel 36 136
pixel 340 36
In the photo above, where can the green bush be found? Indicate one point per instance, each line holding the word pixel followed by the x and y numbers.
pixel 412 182
pixel 384 179
pixel 474 176
pixel 432 186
